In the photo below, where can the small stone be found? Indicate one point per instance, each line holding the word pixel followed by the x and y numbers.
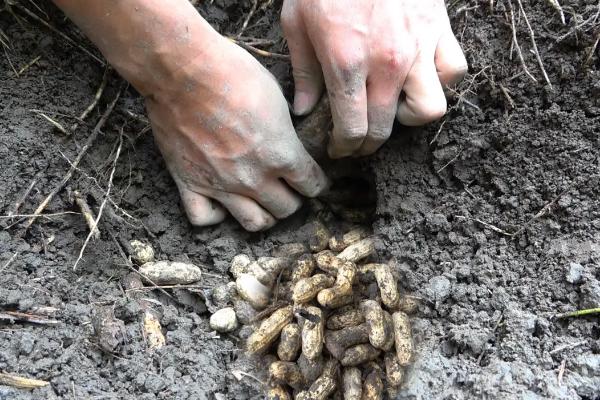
pixel 142 253
pixel 438 288
pixel 574 273
pixel 224 320
pixel 171 273
pixel 223 295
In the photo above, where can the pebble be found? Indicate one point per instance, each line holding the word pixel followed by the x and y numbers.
pixel 224 320
pixel 574 273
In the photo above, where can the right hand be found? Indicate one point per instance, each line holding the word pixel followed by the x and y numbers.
pixel 224 129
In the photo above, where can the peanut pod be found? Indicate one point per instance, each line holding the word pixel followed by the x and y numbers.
pixel 403 338
pixel 170 273
pixel 312 333
pixel 376 323
pixel 305 265
pixel 307 288
pixel 340 242
pixel 359 354
pixel 388 288
pixel 338 341
pixel 346 317
pixel 285 372
pixel 352 381
pixel 341 292
pixel 320 237
pixel 278 393
pixel 393 370
pixel 311 369
pixel 324 386
pixel 268 330
pixel 357 251
pixel 373 386
pixel 389 332
pixel 327 261
pixel 239 265
pixel 289 343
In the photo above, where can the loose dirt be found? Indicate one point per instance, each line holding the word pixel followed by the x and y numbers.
pixel 490 215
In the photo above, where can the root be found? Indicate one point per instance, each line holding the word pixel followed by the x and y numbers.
pixel 90 140
pixel 515 42
pixel 94 228
pixel 88 215
pixel 534 45
pixel 95 101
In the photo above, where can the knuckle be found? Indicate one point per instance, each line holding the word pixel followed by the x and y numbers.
pixel 354 133
pixel 393 60
pixel 433 110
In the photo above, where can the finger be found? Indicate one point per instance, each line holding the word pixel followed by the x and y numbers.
pixel 450 60
pixel 276 198
pixel 383 91
pixel 246 211
pixel 305 175
pixel 201 210
pixel 349 114
pixel 424 99
pixel 308 78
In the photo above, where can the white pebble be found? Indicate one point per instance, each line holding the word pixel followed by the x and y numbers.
pixel 224 320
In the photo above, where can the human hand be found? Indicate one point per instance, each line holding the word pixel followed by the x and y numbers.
pixel 380 59
pixel 229 137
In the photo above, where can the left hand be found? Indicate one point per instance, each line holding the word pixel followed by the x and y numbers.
pixel 379 59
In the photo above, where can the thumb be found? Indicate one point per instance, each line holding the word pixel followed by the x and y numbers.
pixel 306 69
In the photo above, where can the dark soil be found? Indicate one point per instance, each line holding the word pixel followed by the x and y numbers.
pixel 495 221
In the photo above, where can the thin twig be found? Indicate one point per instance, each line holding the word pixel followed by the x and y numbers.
pixel 539 214
pixel 88 215
pixel 248 17
pixel 104 201
pixel 23 197
pixel 450 162
pixel 561 371
pixel 10 260
pixel 64 36
pixel 534 44
pixel 556 5
pixel 54 123
pixel 90 140
pixel 95 101
pixel 487 225
pixel 438 132
pixel 567 347
pixel 506 94
pixel 28 65
pixel 260 52
pixel 58 214
pixel 516 42
pixel 579 313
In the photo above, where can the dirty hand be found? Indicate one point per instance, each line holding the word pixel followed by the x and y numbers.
pixel 229 137
pixel 380 59
pixel 219 118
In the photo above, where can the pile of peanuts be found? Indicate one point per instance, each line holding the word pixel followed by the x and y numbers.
pixel 328 323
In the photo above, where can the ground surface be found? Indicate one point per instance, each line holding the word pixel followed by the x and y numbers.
pixel 495 221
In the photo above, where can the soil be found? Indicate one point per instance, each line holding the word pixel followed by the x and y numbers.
pixel 490 215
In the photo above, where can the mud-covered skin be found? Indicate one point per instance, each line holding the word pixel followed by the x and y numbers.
pixel 543 145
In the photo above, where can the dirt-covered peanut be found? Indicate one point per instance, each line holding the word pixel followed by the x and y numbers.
pixel 244 311
pixel 290 250
pixel 306 289
pixel 338 341
pixel 403 338
pixel 327 261
pixel 393 370
pixel 223 295
pixel 289 343
pixel 269 330
pixel 312 332
pixel 311 369
pixel 373 385
pixel 319 239
pixel 389 332
pixel 239 265
pixel 171 272
pixel 359 354
pixel 340 242
pixel 303 268
pixel 321 389
pixel 352 383
pixel 254 292
pixel 358 251
pixel 348 316
pixel 260 274
pixel 141 253
pixel 376 323
pixel 286 372
pixel 409 304
pixel 388 288
pixel 278 392
pixel 341 292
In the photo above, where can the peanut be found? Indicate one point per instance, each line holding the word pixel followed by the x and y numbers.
pixel 305 265
pixel 286 372
pixel 357 251
pixel 312 333
pixel 373 386
pixel 393 370
pixel 359 354
pixel 352 379
pixel 307 288
pixel 341 292
pixel 338 341
pixel 289 343
pixel 320 238
pixel 254 292
pixel 278 393
pixel 376 322
pixel 403 338
pixel 340 242
pixel 268 330
pixel 239 265
pixel 171 273
pixel 345 318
